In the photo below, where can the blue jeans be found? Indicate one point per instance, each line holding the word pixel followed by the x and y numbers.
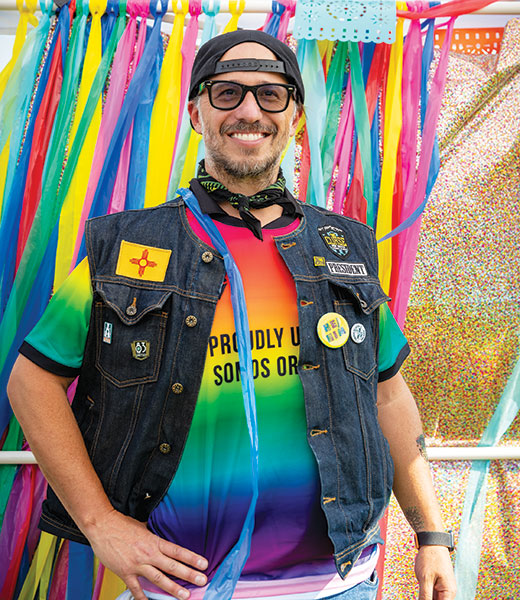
pixel 366 590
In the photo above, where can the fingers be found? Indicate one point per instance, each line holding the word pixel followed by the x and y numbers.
pixel 183 555
pixel 135 589
pixel 162 581
pixel 179 570
pixel 434 573
pixel 130 550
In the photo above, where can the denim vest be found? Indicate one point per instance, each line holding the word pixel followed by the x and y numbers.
pixel 135 415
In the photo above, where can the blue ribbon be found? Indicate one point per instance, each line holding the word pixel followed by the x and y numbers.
pixel 427 57
pixel 470 538
pixel 132 100
pixel 225 579
pixel 136 186
pixel 273 25
pixel 208 32
pixel 81 569
pixel 376 167
pixel 32 311
pixel 13 208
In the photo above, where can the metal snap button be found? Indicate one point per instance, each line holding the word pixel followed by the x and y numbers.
pixel 132 309
pixel 191 321
pixel 207 257
pixel 177 388
pixel 165 448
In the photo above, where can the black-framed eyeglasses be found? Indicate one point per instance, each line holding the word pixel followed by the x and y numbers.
pixel 227 95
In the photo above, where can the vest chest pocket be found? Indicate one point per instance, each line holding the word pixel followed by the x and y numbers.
pixel 130 332
pixel 358 304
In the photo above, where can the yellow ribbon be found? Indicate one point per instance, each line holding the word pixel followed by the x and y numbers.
pixel 4 160
pixel 165 115
pixel 392 133
pixel 190 164
pixel 70 215
pixel 236 9
pixel 26 16
pixel 40 570
pixel 112 586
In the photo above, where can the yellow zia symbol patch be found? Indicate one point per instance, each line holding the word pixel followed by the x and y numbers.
pixel 142 262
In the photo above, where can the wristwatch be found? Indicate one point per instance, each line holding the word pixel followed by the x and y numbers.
pixel 435 538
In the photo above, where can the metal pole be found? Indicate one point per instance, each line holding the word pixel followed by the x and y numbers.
pixel 434 453
pixel 264 6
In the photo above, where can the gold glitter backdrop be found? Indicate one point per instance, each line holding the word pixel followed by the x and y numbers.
pixel 463 320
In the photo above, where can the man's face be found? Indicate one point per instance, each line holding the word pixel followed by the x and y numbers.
pixel 245 142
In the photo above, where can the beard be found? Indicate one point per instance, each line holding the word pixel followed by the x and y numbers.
pixel 250 165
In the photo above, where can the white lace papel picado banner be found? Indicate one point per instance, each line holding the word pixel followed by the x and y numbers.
pixel 346 20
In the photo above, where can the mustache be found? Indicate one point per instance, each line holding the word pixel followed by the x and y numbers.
pixel 244 127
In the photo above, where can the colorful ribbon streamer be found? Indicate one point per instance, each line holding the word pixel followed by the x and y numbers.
pixel 227 575
pixel 470 539
pixel 165 115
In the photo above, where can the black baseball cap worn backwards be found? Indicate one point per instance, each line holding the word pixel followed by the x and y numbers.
pixel 207 62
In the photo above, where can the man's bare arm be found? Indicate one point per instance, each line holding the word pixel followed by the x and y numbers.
pixel 124 545
pixel 413 486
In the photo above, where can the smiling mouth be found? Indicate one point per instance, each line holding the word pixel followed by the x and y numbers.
pixel 248 137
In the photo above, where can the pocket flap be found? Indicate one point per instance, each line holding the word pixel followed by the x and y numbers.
pixel 369 295
pixel 130 303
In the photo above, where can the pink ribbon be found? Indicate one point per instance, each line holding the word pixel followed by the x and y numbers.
pixel 343 150
pixel 290 9
pixel 189 44
pixel 410 237
pixel 99 582
pixel 411 91
pixel 114 101
pixel 15 527
pixel 60 574
pixel 117 201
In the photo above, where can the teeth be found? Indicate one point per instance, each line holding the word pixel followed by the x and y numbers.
pixel 248 137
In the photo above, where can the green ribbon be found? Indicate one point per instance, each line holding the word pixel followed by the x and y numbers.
pixel 362 121
pixel 12 442
pixel 53 196
pixel 334 91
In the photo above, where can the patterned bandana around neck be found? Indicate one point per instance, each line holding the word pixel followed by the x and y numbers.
pixel 273 194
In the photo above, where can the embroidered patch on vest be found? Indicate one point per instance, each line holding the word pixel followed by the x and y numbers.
pixel 107 332
pixel 335 240
pixel 319 261
pixel 351 269
pixel 142 262
pixel 140 349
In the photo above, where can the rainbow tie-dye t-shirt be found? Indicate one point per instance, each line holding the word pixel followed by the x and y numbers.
pixel 205 506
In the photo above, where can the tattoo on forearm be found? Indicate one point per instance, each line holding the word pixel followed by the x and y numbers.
pixel 414 517
pixel 421 444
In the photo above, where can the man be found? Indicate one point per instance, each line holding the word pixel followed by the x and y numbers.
pixel 152 463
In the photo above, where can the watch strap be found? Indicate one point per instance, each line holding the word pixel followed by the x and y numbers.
pixel 435 538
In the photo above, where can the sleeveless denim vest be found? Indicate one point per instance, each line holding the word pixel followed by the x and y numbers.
pixel 135 415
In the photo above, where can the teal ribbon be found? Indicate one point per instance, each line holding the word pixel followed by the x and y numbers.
pixel 470 539
pixel 362 122
pixel 311 67
pixel 19 306
pixel 22 86
pixel 336 81
pixel 225 579
pixel 208 32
